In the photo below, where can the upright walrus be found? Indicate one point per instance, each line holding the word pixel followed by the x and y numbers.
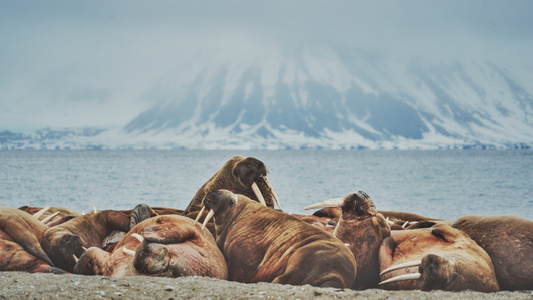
pixel 362 229
pixel 20 238
pixel 509 242
pixel 64 243
pixel 264 245
pixel 241 175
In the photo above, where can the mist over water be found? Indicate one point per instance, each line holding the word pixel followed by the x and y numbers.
pixel 441 184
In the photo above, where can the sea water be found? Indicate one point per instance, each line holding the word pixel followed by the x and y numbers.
pixel 440 184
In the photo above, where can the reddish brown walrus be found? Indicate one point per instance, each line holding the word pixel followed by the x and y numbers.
pixel 241 175
pixel 170 246
pixel 438 258
pixel 20 238
pixel 509 242
pixel 362 229
pixel 64 243
pixel 264 245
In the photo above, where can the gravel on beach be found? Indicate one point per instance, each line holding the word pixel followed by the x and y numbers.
pixel 20 285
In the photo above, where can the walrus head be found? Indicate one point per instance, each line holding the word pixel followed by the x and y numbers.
pixel 358 205
pixel 355 205
pixel 63 248
pixel 217 202
pixel 443 270
pixel 251 173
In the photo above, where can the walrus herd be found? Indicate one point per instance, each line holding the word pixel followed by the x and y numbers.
pixel 234 229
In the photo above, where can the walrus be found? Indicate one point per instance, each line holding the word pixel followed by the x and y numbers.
pixel 509 242
pixel 264 245
pixel 169 246
pixel 397 220
pixel 362 229
pixel 64 243
pixel 20 242
pixel 51 216
pixel 241 175
pixel 438 258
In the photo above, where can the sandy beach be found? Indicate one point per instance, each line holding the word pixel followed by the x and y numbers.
pixel 20 285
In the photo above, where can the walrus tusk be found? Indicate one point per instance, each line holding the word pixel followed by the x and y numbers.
pixel 41 212
pixel 272 191
pixel 94 207
pixel 138 236
pixel 258 194
pixel 83 247
pixel 75 258
pixel 207 218
pixel 47 219
pixel 408 264
pixel 403 277
pixel 405 224
pixel 199 215
pixel 153 212
pixel 128 251
pixel 334 202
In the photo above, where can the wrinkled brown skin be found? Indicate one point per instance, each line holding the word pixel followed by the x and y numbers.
pixel 20 238
pixel 325 223
pixel 509 242
pixel 363 229
pixel 173 247
pixel 63 240
pixel 236 175
pixel 451 261
pixel 264 245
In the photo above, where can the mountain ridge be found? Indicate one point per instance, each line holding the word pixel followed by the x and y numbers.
pixel 328 98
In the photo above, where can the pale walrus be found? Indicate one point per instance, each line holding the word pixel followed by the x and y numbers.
pixel 362 229
pixel 20 238
pixel 64 243
pixel 169 246
pixel 264 245
pixel 241 175
pixel 509 242
pixel 438 258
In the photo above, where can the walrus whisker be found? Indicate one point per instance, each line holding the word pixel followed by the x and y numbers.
pixel 199 215
pixel 138 237
pixel 404 277
pixel 128 251
pixel 408 264
pixel 75 258
pixel 207 218
pixel 334 202
pixel 41 212
pixel 258 194
pixel 272 191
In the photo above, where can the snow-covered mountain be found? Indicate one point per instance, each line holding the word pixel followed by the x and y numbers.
pixel 325 98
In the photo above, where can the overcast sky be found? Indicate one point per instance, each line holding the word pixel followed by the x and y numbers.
pixel 114 51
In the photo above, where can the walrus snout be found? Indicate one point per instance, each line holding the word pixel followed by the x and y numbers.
pixel 151 258
pixel 437 271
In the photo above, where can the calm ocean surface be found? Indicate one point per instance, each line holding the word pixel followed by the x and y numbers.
pixel 442 184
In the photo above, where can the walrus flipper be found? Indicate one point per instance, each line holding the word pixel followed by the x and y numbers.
pixel 26 240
